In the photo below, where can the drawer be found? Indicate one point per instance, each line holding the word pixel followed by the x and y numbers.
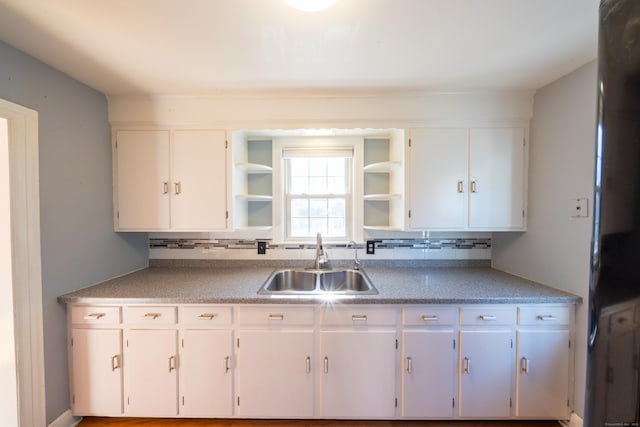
pixel 488 315
pixel 206 315
pixel 430 316
pixel 543 315
pixel 95 315
pixel 274 315
pixel 359 316
pixel 150 314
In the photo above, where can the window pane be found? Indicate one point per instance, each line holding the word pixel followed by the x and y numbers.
pixel 317 225
pixel 299 227
pixel 318 166
pixel 299 166
pixel 299 208
pixel 318 185
pixel 336 166
pixel 299 185
pixel 335 185
pixel 318 208
pixel 336 227
pixel 336 208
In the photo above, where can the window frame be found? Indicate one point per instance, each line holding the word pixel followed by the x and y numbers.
pixel 316 146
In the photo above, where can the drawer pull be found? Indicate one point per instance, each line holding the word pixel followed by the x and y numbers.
pixel 207 316
pixel 466 365
pixel 360 317
pixel 172 363
pixel 152 316
pixel 115 362
pixel 308 364
pixel 524 365
pixel 547 317
pixel 227 364
pixel 94 316
pixel 487 317
pixel 409 365
pixel 276 317
pixel 432 318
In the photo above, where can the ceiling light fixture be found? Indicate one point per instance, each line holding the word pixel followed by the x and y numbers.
pixel 310 5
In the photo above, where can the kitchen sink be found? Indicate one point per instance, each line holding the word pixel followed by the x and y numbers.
pixel 318 282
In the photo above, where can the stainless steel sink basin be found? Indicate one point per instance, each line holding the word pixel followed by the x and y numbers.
pixel 318 282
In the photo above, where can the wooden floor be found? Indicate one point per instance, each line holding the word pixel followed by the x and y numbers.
pixel 151 422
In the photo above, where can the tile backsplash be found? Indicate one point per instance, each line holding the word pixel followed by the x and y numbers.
pixel 441 247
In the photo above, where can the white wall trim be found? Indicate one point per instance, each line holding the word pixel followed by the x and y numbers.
pixel 27 275
pixel 66 420
pixel 574 421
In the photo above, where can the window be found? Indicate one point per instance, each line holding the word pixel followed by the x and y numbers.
pixel 317 193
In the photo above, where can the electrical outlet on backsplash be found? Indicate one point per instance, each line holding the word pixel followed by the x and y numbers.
pixel 401 246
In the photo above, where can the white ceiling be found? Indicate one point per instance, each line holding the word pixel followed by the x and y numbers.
pixel 214 46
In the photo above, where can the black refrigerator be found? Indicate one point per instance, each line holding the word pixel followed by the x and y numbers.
pixel 613 357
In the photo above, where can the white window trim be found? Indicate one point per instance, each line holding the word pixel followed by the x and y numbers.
pixel 356 143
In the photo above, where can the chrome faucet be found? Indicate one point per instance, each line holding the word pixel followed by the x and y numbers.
pixel 356 261
pixel 322 260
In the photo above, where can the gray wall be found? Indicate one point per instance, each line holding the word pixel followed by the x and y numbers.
pixel 79 247
pixel 556 248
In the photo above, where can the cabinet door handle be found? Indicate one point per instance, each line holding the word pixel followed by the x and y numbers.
pixel 409 365
pixel 178 188
pixel 431 318
pixel 115 362
pixel 227 364
pixel 326 365
pixel 152 316
pixel 276 317
pixel 474 187
pixel 94 316
pixel 172 363
pixel 308 364
pixel 487 317
pixel 361 317
pixel 165 187
pixel 466 365
pixel 207 316
pixel 524 365
pixel 460 186
pixel 547 317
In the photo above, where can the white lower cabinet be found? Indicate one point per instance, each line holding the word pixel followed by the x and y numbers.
pixel 429 362
pixel 96 371
pixel 275 376
pixel 358 348
pixel 151 376
pixel 543 359
pixel 486 361
pixel 206 375
pixel 331 361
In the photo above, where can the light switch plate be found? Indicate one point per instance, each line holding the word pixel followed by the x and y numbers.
pixel 580 208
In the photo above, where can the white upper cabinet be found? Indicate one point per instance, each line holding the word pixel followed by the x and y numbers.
pixel 467 179
pixel 170 180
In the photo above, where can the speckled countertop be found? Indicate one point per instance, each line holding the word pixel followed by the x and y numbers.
pixel 239 283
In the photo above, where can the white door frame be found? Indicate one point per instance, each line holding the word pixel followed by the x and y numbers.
pixel 26 262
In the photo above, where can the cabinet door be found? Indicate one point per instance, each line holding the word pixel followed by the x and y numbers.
pixel 151 373
pixel 199 180
pixel 96 356
pixel 543 374
pixel 143 180
pixel 438 177
pixel 206 377
pixel 486 366
pixel 359 374
pixel 274 373
pixel 496 178
pixel 429 374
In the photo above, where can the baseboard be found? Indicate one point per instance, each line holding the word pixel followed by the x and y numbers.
pixel 574 421
pixel 66 419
